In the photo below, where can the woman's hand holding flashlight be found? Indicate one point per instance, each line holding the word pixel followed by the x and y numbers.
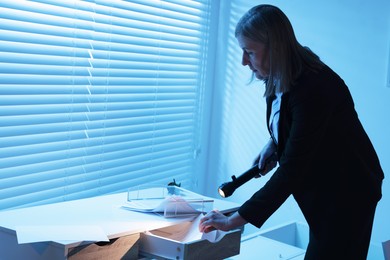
pixel 267 158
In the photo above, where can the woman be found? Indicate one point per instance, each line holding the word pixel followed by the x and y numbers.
pixel 326 160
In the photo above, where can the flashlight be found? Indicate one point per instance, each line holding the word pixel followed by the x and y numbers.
pixel 227 188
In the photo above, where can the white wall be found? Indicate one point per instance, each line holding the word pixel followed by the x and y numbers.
pixel 352 37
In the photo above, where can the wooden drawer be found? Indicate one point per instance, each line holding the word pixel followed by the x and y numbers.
pixel 155 244
pixel 125 247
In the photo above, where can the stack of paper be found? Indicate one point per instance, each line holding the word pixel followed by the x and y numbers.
pixel 171 206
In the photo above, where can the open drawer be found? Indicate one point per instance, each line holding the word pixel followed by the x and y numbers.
pixel 159 244
pixel 125 247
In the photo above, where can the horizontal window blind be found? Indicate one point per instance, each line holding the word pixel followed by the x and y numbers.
pixel 98 96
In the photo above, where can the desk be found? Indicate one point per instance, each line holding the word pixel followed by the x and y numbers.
pixel 102 211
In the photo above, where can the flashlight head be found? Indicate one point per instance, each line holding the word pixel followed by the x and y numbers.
pixel 226 189
pixel 221 192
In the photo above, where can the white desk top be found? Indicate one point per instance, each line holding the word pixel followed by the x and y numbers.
pixel 103 211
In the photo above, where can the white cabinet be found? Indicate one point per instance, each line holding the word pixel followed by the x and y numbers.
pixel 287 241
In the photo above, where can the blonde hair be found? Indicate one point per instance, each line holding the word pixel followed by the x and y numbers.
pixel 288 58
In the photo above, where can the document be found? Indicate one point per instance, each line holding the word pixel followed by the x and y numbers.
pixel 188 232
pixel 170 206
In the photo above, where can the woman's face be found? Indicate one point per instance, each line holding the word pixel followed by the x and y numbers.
pixel 256 56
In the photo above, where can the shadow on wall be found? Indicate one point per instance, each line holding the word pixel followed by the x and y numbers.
pixel 386 249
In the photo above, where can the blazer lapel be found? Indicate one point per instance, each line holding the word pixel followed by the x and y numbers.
pixel 284 123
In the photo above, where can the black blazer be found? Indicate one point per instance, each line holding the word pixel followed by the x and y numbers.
pixel 325 156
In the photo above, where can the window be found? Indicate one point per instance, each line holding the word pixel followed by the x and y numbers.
pixel 98 96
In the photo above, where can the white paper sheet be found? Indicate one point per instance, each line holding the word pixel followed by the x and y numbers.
pixel 32 234
pixel 193 232
pixel 189 232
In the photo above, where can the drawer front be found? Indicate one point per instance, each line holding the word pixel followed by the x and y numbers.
pixel 125 247
pixel 154 246
pixel 228 246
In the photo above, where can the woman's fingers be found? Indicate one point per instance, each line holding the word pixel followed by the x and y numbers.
pixel 268 167
pixel 210 221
